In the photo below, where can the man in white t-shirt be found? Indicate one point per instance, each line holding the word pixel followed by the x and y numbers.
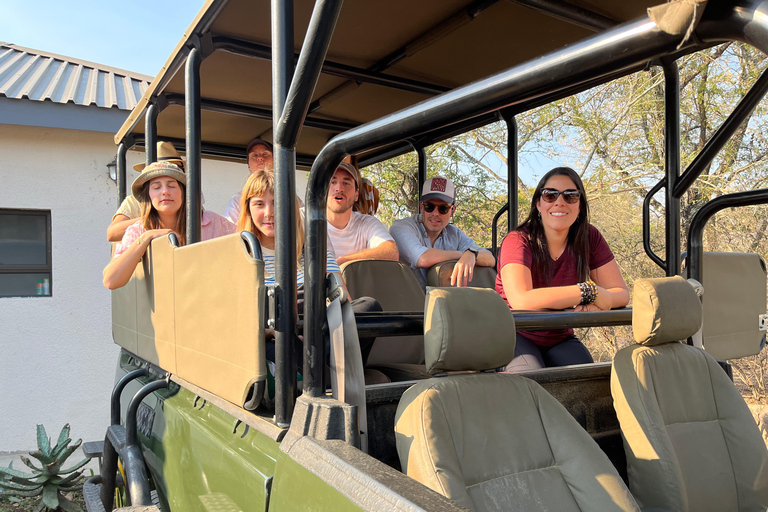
pixel 259 154
pixel 353 235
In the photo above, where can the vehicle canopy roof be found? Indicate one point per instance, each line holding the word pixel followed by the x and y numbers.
pixel 383 57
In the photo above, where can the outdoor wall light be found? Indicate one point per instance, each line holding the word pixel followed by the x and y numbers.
pixel 112 170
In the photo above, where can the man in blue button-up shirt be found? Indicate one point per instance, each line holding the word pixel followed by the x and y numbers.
pixel 428 238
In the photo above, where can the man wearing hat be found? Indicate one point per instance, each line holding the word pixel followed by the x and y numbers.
pixel 259 154
pixel 428 238
pixel 353 235
pixel 130 209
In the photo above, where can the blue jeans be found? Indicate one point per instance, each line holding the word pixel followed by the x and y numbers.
pixel 529 356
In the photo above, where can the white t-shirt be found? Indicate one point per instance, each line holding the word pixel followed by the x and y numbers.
pixel 232 211
pixel 362 232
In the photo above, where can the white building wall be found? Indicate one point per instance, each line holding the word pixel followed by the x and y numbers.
pixel 57 358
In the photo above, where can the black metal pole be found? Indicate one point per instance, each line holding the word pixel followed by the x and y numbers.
pixel 150 134
pixel 672 165
pixel 122 150
pixel 699 221
pixel 286 129
pixel 194 161
pixel 422 154
pixel 647 225
pixel 512 171
pixel 723 134
pixel 285 216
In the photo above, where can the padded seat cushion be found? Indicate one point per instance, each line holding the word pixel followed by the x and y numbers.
pixel 498 442
pixel 690 440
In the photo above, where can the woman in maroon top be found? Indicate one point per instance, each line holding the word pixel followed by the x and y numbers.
pixel 557 260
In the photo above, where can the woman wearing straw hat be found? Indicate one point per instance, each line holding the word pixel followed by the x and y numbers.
pixel 160 192
pixel 130 209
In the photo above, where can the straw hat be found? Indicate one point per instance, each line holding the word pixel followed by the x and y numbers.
pixel 165 153
pixel 156 170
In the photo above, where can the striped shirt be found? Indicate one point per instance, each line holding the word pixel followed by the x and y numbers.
pixel 269 266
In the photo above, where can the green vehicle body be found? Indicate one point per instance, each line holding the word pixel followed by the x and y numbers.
pixel 203 453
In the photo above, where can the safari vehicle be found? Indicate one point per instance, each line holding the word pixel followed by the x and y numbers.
pixel 373 80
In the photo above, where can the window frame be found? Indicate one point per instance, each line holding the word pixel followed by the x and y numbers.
pixel 47 268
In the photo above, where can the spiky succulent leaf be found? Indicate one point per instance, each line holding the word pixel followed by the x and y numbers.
pixel 43 443
pixel 75 467
pixel 18 486
pixel 45 459
pixel 28 494
pixel 14 472
pixel 59 480
pixel 14 499
pixel 68 506
pixel 29 464
pixel 63 435
pixel 57 450
pixel 51 496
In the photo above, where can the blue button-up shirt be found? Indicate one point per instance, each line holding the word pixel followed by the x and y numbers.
pixel 412 241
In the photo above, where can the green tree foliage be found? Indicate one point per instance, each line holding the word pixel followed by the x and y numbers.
pixel 613 136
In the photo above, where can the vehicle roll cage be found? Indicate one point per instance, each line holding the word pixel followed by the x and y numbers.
pixel 616 51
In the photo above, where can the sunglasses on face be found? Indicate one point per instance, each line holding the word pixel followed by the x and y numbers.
pixel 443 208
pixel 550 195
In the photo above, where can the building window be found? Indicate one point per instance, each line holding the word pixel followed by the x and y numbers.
pixel 25 253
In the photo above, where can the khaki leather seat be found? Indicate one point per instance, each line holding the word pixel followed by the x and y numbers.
pixel 440 275
pixel 491 441
pixel 690 440
pixel 395 287
pixel 197 312
pixel 143 314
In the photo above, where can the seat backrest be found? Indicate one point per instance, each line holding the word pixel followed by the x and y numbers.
pixel 219 301
pixel 142 310
pixel 440 275
pixel 396 288
pixel 690 440
pixel 494 441
pixel 734 301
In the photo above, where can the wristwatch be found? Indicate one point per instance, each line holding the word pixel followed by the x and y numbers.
pixel 473 251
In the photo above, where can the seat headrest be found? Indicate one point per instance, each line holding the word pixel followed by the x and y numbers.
pixel 664 310
pixel 467 329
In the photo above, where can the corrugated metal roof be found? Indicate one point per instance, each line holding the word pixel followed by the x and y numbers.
pixel 40 76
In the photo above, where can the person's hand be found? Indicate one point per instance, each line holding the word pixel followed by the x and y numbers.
pixel 586 307
pixel 464 269
pixel 603 301
pixel 150 235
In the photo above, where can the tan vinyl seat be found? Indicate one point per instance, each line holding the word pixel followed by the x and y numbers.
pixel 690 440
pixel 395 287
pixel 491 441
pixel 734 302
pixel 219 300
pixel 440 275
pixel 143 315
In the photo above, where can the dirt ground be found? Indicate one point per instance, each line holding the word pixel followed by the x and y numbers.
pixel 29 504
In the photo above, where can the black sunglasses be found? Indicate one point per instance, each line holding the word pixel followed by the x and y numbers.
pixel 443 208
pixel 550 195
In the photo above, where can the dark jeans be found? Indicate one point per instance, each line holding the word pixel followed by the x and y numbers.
pixel 360 305
pixel 529 356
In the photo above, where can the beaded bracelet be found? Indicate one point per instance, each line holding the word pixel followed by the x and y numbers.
pixel 588 292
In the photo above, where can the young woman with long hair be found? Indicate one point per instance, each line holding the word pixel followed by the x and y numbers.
pixel 257 215
pixel 556 259
pixel 160 190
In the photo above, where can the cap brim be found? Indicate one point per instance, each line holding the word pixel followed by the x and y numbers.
pixel 436 195
pixel 139 167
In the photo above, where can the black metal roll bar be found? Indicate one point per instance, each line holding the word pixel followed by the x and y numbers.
pixel 699 221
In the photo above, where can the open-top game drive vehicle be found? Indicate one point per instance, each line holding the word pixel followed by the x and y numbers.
pixel 196 413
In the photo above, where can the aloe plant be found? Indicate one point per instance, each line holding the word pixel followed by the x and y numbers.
pixel 49 481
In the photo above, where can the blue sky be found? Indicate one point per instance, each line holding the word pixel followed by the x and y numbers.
pixel 137 35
